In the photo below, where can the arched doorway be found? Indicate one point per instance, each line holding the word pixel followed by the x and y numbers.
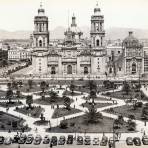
pixel 134 68
pixel 97 42
pixel 85 70
pixel 53 70
pixel 69 69
pixel 40 43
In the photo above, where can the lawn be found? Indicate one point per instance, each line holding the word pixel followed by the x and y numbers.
pixel 97 105
pixel 34 112
pixel 78 125
pixel 123 95
pixel 11 122
pixel 48 101
pixel 69 93
pixel 126 110
pixel 10 104
pixel 61 112
pixel 97 98
pixel 2 93
pixel 41 122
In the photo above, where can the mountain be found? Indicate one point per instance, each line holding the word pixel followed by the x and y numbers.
pixel 58 33
pixel 121 33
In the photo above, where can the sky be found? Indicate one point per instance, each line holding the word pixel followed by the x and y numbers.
pixel 19 14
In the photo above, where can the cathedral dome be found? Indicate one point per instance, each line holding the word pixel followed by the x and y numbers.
pixel 131 41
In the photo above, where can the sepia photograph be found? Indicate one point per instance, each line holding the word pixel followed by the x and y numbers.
pixel 73 73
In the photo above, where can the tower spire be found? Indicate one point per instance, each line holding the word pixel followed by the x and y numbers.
pixel 41 11
pixel 41 4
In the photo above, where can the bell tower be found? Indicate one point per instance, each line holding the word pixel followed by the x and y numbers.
pixel 41 33
pixel 97 32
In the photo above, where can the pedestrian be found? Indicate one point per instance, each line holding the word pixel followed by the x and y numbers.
pixel 74 105
pixel 51 145
pixel 76 98
pixel 82 105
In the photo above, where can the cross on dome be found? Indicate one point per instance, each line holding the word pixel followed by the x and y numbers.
pixel 41 5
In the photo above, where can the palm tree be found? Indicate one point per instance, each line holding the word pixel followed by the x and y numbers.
pixel 92 116
pixel 29 101
pixel 53 96
pixel 67 102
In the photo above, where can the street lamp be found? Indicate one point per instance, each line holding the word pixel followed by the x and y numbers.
pixel 114 145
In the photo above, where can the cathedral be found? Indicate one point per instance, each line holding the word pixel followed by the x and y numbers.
pixel 76 58
pixel 73 56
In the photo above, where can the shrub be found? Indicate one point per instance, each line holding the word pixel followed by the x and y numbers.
pixel 72 124
pixel 108 93
pixel 63 124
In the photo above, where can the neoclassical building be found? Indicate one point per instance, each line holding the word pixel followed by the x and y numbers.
pixel 73 57
pixel 130 58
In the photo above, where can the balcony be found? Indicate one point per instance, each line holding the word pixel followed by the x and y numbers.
pixel 69 60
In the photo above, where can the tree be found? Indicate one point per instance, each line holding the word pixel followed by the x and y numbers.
pixel 14 84
pixel 43 86
pixel 53 96
pixel 67 102
pixel 9 85
pixel 9 95
pixel 144 114
pixel 20 83
pixel 72 87
pixel 93 95
pixel 18 94
pixel 131 123
pixel 4 63
pixel 92 116
pixel 132 117
pixel 63 124
pixel 92 85
pixel 29 101
pixel 30 84
pixel 126 87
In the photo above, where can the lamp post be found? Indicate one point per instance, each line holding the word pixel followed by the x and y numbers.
pixel 114 145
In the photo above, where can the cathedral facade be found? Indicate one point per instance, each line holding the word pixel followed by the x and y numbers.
pixel 73 56
pixel 76 58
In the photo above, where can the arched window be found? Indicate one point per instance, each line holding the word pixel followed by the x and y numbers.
pixel 110 70
pixel 69 69
pixel 53 70
pixel 85 70
pixel 134 68
pixel 40 43
pixel 97 42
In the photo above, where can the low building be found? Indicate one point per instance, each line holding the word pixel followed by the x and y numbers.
pixel 19 54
